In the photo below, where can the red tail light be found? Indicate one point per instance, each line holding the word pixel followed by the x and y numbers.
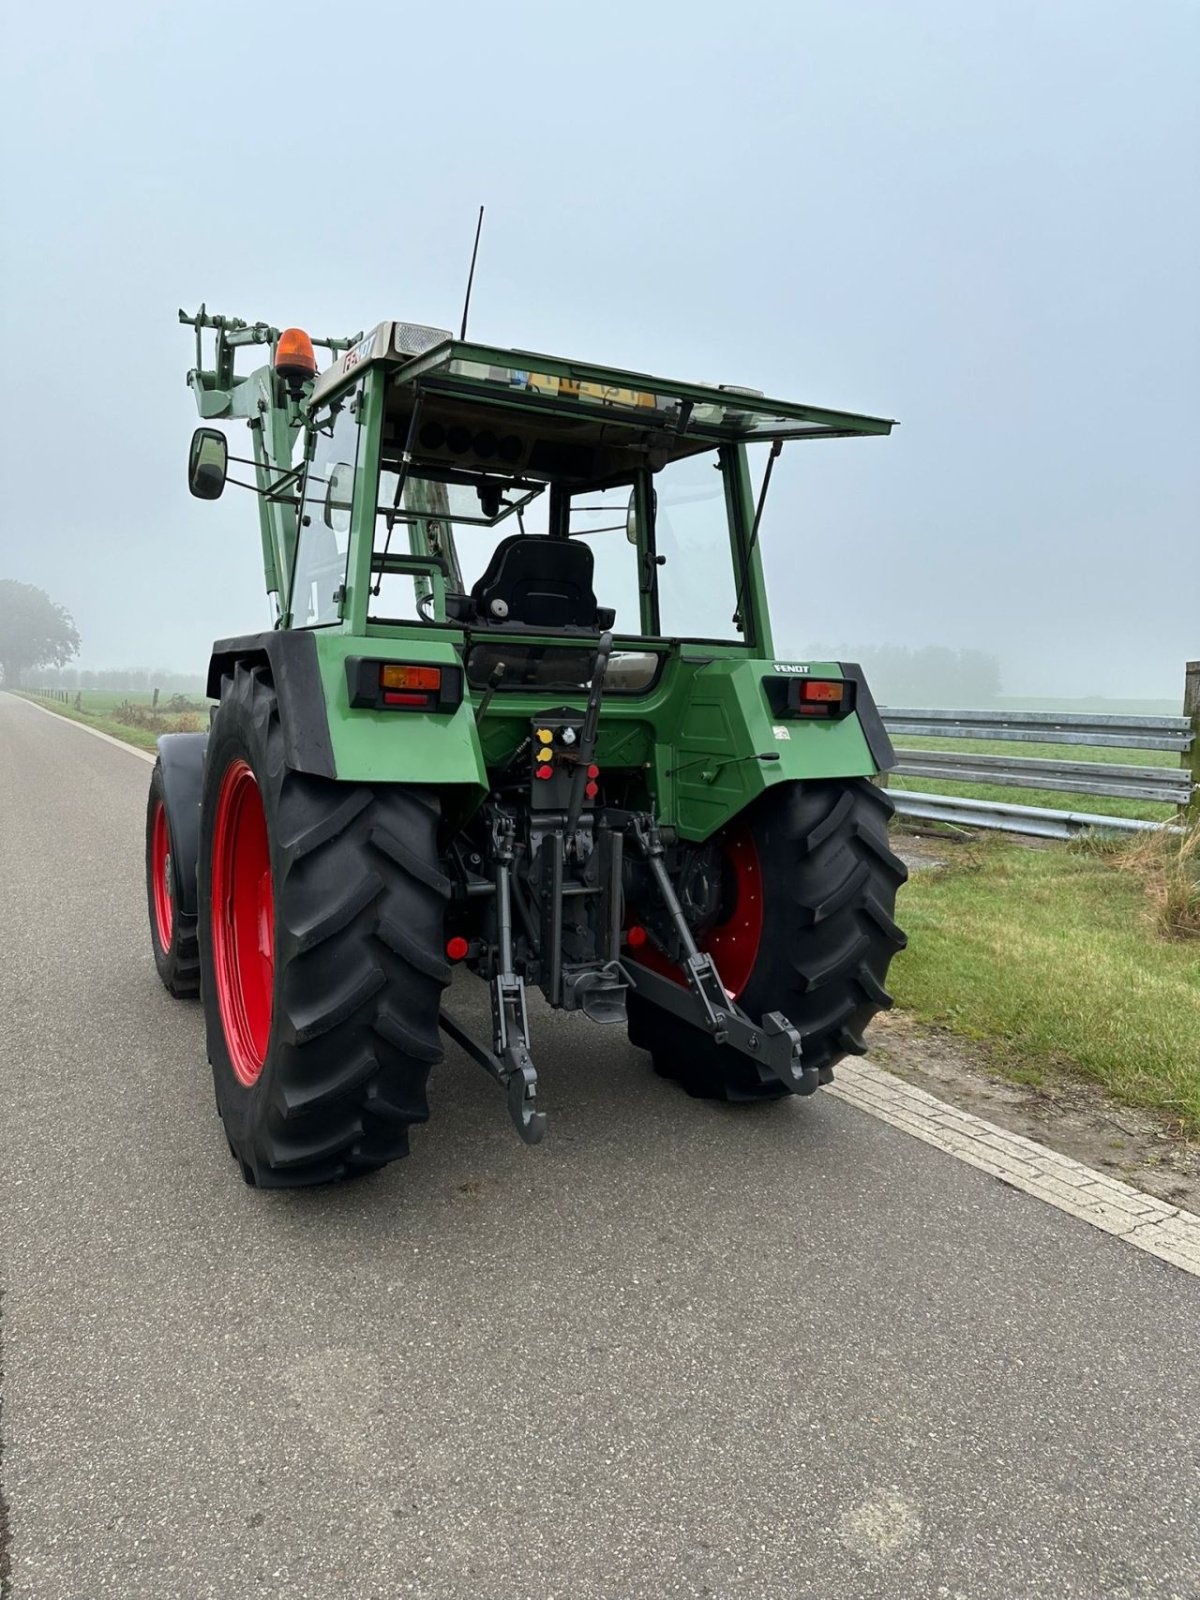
pixel 827 699
pixel 403 685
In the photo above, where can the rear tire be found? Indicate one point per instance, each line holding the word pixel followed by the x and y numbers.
pixel 322 1038
pixel 827 881
pixel 172 932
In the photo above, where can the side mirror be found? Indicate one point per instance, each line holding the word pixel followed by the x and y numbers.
pixel 631 527
pixel 339 497
pixel 208 463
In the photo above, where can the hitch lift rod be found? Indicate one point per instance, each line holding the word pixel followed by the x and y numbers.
pixel 773 1046
pixel 509 1061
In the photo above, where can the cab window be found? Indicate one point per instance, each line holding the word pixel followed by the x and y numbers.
pixel 319 572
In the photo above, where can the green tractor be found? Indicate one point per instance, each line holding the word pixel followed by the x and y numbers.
pixel 520 713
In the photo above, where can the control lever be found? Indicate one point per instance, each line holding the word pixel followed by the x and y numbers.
pixel 495 679
pixel 587 738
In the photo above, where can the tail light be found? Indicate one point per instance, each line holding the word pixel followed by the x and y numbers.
pixel 816 699
pixel 403 685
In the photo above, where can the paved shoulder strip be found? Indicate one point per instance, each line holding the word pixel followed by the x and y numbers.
pixel 142 755
pixel 1107 1203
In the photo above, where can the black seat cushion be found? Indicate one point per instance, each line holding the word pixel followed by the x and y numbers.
pixel 538 581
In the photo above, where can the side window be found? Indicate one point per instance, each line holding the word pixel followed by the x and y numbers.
pixel 697 588
pixel 324 540
pixel 598 516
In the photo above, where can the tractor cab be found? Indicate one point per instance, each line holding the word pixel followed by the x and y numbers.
pixel 505 491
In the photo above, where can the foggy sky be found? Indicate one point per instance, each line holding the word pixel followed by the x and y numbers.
pixel 980 219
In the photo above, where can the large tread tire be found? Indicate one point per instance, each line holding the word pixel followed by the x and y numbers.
pixel 177 957
pixel 829 883
pixel 359 961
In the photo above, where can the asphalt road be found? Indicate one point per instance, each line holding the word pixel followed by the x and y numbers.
pixel 678 1350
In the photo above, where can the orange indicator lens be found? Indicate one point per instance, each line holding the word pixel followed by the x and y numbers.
pixel 407 677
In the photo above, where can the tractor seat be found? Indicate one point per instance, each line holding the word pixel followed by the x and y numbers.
pixel 539 582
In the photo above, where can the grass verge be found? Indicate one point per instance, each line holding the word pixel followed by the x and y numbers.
pixel 1054 959
pixel 1167 866
pixel 97 709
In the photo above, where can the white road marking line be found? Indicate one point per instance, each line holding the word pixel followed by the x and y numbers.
pixel 1107 1203
pixel 133 750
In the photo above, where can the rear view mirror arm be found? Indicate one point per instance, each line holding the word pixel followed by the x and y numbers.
pixel 272 490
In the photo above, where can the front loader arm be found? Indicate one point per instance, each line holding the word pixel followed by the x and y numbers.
pixel 274 419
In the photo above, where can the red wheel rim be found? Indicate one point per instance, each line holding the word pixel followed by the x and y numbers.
pixel 243 922
pixel 733 941
pixel 160 877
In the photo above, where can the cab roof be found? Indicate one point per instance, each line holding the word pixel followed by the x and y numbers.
pixel 691 415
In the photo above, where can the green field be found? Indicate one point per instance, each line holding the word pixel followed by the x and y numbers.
pixel 96 702
pixel 1053 958
pixel 140 725
pixel 1055 799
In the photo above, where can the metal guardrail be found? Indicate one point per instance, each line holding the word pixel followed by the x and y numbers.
pixel 1040 821
pixel 1170 785
pixel 1046 727
pixel 1165 785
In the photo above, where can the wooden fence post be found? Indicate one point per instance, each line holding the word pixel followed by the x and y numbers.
pixel 1191 708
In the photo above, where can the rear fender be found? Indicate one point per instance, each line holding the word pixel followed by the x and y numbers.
pixel 325 735
pixel 291 658
pixel 730 747
pixel 181 760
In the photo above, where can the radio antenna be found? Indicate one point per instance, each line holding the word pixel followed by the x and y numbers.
pixel 471 275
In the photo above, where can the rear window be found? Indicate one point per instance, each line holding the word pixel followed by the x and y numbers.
pixel 567 668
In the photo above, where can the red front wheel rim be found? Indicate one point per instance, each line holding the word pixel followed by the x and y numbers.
pixel 243 922
pixel 160 877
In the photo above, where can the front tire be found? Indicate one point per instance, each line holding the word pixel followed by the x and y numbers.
pixel 172 932
pixel 809 931
pixel 322 910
